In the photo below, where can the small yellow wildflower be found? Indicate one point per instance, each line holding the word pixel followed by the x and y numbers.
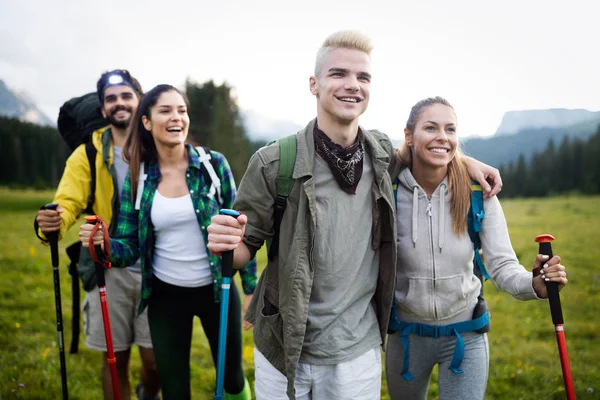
pixel 45 353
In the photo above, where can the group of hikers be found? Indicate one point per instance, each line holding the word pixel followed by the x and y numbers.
pixel 371 243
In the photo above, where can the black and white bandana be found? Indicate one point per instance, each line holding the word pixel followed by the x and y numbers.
pixel 346 164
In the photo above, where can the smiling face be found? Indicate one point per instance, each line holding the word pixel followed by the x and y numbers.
pixel 434 140
pixel 120 103
pixel 168 121
pixel 343 86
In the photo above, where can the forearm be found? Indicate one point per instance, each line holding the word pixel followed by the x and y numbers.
pixel 241 256
pixel 500 258
pixel 123 253
pixel 249 276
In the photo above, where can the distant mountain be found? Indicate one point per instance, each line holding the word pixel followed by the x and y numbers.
pixel 19 106
pixel 260 128
pixel 504 148
pixel 515 121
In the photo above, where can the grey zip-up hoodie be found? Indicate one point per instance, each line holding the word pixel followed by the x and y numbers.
pixel 435 283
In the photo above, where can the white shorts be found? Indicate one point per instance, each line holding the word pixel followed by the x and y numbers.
pixel 357 379
pixel 123 289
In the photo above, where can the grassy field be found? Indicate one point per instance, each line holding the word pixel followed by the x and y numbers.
pixel 524 358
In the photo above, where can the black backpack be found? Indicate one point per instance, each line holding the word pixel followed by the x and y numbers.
pixel 78 118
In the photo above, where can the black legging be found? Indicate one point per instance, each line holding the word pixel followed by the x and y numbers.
pixel 171 315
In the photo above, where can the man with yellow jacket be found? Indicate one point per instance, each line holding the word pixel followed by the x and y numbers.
pixel 119 94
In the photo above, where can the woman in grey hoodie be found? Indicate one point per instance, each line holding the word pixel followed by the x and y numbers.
pixel 436 289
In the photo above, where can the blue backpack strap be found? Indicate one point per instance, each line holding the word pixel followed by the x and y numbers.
pixel 474 218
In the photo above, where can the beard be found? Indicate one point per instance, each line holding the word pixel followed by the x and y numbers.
pixel 116 123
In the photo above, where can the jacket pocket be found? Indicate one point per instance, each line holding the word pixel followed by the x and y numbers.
pixel 271 315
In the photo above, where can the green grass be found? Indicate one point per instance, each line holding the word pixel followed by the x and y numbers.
pixel 524 358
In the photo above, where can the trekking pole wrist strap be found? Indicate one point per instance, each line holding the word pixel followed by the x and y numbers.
pixel 36 228
pixel 98 221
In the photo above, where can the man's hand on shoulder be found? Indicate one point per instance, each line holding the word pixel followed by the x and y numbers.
pixel 487 176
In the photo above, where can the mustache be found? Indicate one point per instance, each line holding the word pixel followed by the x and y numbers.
pixel 121 108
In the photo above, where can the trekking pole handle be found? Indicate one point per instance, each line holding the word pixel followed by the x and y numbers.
pixel 227 256
pixel 52 236
pixel 545 248
pixel 98 249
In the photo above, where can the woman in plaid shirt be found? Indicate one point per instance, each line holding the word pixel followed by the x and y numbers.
pixel 165 211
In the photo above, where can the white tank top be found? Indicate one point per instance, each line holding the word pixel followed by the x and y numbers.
pixel 180 256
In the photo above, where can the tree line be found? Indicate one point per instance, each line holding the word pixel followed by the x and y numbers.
pixel 35 156
pixel 572 167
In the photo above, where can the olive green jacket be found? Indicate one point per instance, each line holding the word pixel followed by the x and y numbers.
pixel 279 309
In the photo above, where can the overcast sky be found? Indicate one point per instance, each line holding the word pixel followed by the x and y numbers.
pixel 485 57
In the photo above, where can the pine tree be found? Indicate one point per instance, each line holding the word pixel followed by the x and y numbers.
pixel 216 123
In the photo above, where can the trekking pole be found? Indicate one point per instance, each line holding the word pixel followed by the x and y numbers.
pixel 100 266
pixel 53 239
pixel 73 252
pixel 557 318
pixel 227 272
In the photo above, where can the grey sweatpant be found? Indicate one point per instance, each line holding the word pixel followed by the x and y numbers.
pixel 425 353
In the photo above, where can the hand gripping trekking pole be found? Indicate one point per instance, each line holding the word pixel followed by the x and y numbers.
pixel 557 318
pixel 96 252
pixel 227 272
pixel 53 239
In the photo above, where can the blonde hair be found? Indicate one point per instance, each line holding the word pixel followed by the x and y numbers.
pixel 348 39
pixel 459 182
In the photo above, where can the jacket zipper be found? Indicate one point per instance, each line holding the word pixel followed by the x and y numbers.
pixel 428 212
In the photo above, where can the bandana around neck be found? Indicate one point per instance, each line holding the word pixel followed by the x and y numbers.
pixel 346 164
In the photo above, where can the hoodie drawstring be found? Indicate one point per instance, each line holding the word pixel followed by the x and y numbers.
pixel 442 215
pixel 415 215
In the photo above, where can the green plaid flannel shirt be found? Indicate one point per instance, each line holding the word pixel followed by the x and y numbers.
pixel 135 233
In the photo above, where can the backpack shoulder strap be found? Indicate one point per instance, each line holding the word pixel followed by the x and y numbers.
pixel 209 166
pixel 140 187
pixel 287 161
pixel 285 183
pixel 474 218
pixel 91 152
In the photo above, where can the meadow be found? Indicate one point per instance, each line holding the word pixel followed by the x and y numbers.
pixel 524 362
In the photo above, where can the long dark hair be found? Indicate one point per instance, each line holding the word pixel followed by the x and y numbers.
pixel 139 145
